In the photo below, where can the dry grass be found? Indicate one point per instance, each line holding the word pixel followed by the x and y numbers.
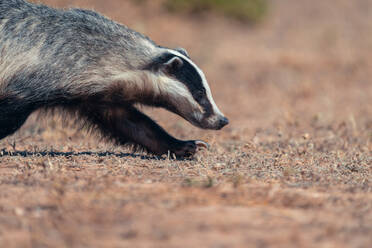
pixel 292 170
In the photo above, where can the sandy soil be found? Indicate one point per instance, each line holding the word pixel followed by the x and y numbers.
pixel 293 169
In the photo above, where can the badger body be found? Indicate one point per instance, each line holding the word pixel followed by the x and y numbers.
pixel 89 65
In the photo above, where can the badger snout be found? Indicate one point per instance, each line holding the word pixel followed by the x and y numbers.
pixel 219 122
pixel 215 122
pixel 222 122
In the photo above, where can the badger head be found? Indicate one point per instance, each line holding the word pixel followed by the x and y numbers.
pixel 184 90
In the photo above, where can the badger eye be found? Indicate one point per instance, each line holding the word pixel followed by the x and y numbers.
pixel 200 93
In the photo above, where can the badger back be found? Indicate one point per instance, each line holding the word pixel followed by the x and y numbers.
pixel 75 51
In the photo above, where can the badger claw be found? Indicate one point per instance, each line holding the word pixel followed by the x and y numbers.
pixel 189 148
pixel 201 144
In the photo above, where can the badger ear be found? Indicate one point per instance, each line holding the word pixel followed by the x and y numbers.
pixel 173 64
pixel 182 51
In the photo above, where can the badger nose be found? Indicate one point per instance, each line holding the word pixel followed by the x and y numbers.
pixel 223 122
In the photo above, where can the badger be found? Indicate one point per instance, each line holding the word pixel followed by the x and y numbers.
pixel 86 64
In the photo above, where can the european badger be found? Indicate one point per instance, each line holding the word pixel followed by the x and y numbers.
pixel 83 62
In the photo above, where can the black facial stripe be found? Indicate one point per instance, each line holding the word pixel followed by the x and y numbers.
pixel 189 76
pixel 207 106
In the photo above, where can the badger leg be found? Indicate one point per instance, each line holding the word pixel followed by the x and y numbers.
pixel 11 125
pixel 128 125
pixel 12 116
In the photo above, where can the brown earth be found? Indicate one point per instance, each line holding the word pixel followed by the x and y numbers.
pixel 293 169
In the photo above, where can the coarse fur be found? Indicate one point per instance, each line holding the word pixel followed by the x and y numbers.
pixel 80 61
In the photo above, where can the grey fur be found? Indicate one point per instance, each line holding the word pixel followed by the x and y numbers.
pixel 70 44
pixel 75 59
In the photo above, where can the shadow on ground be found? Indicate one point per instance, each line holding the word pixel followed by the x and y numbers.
pixel 25 154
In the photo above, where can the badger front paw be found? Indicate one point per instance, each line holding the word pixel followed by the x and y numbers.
pixel 188 148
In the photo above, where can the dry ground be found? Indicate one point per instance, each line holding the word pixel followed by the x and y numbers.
pixel 292 170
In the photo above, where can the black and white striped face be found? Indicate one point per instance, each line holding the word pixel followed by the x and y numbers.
pixel 186 91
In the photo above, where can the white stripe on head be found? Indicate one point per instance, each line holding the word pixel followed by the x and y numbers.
pixel 216 110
